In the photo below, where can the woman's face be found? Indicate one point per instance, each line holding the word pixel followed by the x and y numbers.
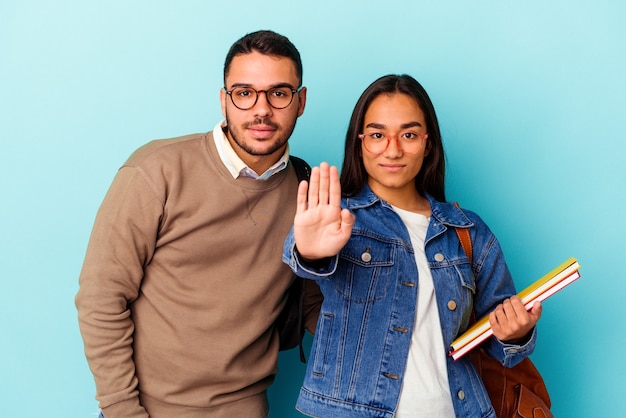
pixel 398 119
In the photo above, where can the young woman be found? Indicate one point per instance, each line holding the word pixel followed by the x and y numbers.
pixel 398 287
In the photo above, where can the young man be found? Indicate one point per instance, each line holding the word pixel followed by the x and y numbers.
pixel 183 278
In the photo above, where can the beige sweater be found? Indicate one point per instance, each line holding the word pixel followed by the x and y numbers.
pixel 181 283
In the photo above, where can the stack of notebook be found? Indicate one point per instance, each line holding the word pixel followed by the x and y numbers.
pixel 540 290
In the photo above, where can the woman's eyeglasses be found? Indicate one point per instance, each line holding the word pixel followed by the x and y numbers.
pixel 378 142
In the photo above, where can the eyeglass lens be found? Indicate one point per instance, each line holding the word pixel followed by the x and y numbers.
pixel 246 97
pixel 377 143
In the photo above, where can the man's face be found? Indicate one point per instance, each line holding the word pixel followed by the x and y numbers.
pixel 259 135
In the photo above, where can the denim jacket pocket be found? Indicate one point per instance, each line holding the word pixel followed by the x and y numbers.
pixel 322 344
pixel 367 268
pixel 463 271
pixel 456 284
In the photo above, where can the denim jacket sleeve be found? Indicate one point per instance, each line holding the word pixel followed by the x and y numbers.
pixel 510 354
pixel 297 265
pixel 494 284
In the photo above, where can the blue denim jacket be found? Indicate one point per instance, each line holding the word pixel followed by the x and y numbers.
pixel 361 344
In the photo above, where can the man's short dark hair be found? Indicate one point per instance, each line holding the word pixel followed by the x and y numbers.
pixel 266 42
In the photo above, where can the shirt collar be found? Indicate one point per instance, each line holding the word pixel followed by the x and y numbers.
pixel 235 165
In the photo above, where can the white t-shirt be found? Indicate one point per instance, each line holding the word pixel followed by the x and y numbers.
pixel 425 388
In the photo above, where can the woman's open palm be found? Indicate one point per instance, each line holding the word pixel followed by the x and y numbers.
pixel 321 227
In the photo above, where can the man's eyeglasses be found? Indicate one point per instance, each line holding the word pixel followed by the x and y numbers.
pixel 378 142
pixel 245 98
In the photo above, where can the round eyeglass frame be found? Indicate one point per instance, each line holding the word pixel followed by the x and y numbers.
pixel 362 136
pixel 267 96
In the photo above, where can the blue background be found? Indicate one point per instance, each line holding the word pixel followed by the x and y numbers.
pixel 531 99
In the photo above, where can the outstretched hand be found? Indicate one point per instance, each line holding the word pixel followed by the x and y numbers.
pixel 511 322
pixel 321 227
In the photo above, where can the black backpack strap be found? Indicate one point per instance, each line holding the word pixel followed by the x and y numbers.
pixel 292 321
pixel 303 169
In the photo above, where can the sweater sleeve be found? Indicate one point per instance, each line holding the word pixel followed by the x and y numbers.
pixel 122 242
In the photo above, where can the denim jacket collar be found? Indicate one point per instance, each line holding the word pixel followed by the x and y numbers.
pixel 446 213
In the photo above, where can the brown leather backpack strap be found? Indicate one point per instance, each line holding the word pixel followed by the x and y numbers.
pixel 464 237
pixel 466 243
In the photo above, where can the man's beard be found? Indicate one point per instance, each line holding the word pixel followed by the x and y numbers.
pixel 277 143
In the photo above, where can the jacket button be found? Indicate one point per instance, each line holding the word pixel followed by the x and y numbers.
pixel 451 305
pixel 439 257
pixel 461 395
pixel 366 256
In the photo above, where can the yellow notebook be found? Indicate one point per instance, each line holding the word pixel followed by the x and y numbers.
pixel 546 286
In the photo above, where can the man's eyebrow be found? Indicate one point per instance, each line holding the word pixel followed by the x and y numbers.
pixel 273 86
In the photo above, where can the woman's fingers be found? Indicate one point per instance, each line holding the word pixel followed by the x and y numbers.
pixel 314 187
pixel 324 186
pixel 536 311
pixel 335 188
pixel 511 321
pixel 301 200
pixel 324 183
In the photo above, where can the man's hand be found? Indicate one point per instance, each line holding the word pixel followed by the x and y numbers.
pixel 321 227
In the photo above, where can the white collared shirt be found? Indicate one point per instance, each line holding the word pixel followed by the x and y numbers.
pixel 235 165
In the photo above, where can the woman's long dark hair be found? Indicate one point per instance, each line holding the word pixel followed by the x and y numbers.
pixel 431 178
